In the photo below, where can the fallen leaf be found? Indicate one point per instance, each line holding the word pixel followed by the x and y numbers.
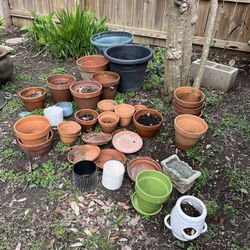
pixel 123 239
pixel 231 63
pixel 93 230
pixel 81 198
pixel 59 212
pixel 81 205
pixel 126 248
pixel 135 220
pixel 208 146
pixel 91 204
pixel 18 246
pixel 26 211
pixel 75 207
pixel 78 244
pixel 74 230
pixel 243 190
pixel 99 202
pixel 221 221
pixel 22 200
pixel 87 232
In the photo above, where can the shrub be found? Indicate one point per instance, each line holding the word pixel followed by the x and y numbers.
pixel 68 37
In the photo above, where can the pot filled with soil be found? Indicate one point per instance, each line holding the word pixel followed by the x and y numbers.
pixel 147 122
pixel 187 218
pixel 188 97
pixel 6 66
pixel 87 118
pixel 107 105
pixel 32 130
pixel 59 87
pixel 189 129
pixel 104 40
pixel 39 149
pixel 129 61
pixel 68 131
pixel 88 65
pixel 125 111
pixel 108 121
pixel 109 81
pixel 86 94
pixel 33 97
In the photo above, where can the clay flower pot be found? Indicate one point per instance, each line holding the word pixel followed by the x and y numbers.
pixel 107 105
pixel 188 97
pixel 97 138
pixel 86 94
pixel 148 131
pixel 139 107
pixel 188 130
pixel 59 87
pixel 37 150
pixel 125 111
pixel 87 118
pixel 33 97
pixel 192 111
pixel 88 65
pixel 108 121
pixel 32 130
pixel 68 131
pixel 109 81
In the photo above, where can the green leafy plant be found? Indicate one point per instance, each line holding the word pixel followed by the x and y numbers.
pixel 195 154
pixel 205 177
pixel 212 208
pixel 70 36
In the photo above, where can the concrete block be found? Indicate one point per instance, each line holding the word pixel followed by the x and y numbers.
pixel 216 75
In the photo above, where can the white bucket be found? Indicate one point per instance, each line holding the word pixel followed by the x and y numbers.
pixel 54 114
pixel 113 172
pixel 180 220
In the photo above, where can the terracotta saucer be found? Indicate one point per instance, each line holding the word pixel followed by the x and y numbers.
pixel 83 152
pixel 109 154
pixel 97 138
pixel 141 163
pixel 127 142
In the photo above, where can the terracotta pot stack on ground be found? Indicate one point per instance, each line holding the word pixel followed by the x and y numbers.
pixel 188 100
pixel 34 135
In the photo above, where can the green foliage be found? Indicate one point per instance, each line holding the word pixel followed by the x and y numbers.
pixel 71 36
pixel 2 23
pixel 23 77
pixel 10 153
pixel 205 177
pixel 212 208
pixel 96 241
pixel 195 154
pixel 212 97
pixel 123 97
pixel 61 148
pixel 161 106
pixel 13 106
pixel 59 70
pixel 38 111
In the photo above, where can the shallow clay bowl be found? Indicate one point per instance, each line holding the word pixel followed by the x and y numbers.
pixel 109 154
pixel 97 138
pixel 140 164
pixel 83 152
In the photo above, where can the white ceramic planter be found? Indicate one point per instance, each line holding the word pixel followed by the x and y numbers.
pixel 179 220
pixel 113 172
pixel 54 114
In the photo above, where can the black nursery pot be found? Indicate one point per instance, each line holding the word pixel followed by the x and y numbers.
pixel 85 176
pixel 130 62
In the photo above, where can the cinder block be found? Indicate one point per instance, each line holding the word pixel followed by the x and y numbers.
pixel 217 76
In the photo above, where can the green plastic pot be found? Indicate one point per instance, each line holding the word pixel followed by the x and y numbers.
pixel 153 186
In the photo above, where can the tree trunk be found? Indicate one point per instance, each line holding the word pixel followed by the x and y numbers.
pixel 207 41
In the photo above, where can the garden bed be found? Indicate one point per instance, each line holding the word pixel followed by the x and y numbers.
pixel 40 209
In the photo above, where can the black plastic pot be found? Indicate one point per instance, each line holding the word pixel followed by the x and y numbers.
pixel 130 62
pixel 85 176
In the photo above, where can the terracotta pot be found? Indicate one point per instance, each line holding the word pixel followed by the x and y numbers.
pixel 140 164
pixel 188 97
pixel 191 111
pixel 125 111
pixel 109 154
pixel 86 125
pixel 109 81
pixel 37 150
pixel 32 103
pixel 139 107
pixel 59 87
pixel 68 131
pixel 188 130
pixel 107 105
pixel 97 138
pixel 147 131
pixel 108 121
pixel 32 130
pixel 88 65
pixel 86 100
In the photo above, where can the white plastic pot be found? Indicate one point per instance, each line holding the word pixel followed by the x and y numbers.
pixel 113 172
pixel 54 114
pixel 179 220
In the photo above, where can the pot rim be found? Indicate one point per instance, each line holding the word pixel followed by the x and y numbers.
pixel 106 113
pixel 91 69
pixel 75 124
pixel 53 86
pixel 35 98
pixel 92 111
pixel 111 101
pixel 130 109
pixel 3 52
pixel 112 83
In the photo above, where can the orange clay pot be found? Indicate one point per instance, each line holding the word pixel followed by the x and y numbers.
pixel 139 107
pixel 108 121
pixel 86 125
pixel 125 111
pixel 107 105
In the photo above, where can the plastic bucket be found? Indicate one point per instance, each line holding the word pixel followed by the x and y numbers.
pixel 67 108
pixel 113 172
pixel 54 114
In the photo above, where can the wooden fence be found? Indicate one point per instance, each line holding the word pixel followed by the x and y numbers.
pixel 147 19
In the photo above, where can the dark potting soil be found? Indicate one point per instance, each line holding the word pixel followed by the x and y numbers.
pixel 60 83
pixel 190 210
pixel 86 89
pixel 86 117
pixel 190 231
pixel 149 119
pixel 35 94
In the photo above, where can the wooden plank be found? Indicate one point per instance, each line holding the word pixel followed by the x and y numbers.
pixel 4 11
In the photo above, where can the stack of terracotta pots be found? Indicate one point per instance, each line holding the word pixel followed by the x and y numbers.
pixel 34 135
pixel 188 100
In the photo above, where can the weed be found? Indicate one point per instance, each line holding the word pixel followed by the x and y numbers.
pixel 10 87
pixel 161 106
pixel 163 136
pixel 19 66
pixel 195 154
pixel 60 230
pixel 17 179
pixel 66 167
pixel 212 97
pixel 59 70
pixel 23 77
pixel 42 78
pixel 61 148
pixel 152 82
pixel 38 111
pixel 212 208
pixel 202 181
pixel 12 107
pixel 230 210
pixel 10 153
pixel 123 97
pixel 97 242
pixel 118 220
pixel 218 149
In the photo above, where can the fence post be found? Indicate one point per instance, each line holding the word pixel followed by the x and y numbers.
pixel 5 12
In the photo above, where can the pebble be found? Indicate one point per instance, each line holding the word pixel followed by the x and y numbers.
pixel 15 41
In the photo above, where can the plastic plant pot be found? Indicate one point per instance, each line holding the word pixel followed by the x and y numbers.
pixel 181 220
pixel 104 40
pixel 113 172
pixel 129 61
pixel 54 114
pixel 85 176
pixel 67 108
